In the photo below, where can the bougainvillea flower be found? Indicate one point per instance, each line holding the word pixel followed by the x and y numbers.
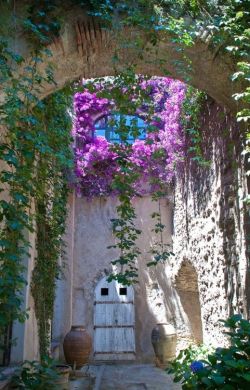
pixel 155 158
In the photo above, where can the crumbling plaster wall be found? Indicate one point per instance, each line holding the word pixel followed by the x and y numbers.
pixel 209 217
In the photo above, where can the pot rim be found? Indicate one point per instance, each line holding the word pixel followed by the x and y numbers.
pixel 62 367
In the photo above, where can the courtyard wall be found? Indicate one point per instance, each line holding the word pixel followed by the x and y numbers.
pixel 210 222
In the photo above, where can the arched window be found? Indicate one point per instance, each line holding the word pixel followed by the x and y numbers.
pixel 111 127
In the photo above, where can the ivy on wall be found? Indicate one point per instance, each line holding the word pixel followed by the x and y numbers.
pixel 31 158
pixel 35 155
pixel 53 165
pixel 18 154
pixel 190 120
pixel 225 24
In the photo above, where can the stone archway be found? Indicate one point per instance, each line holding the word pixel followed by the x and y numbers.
pixel 85 49
pixel 186 284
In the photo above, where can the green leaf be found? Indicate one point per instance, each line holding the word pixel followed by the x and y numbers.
pixel 218 379
pixel 246 376
pixel 206 381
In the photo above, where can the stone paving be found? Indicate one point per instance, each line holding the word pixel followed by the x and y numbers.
pixel 125 377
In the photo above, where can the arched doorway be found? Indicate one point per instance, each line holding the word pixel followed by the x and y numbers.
pixel 114 321
pixel 187 287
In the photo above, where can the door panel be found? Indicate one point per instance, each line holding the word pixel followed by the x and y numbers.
pixel 114 340
pixel 114 321
pixel 114 314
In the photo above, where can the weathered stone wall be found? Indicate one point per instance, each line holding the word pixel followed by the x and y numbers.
pixel 209 267
pixel 209 223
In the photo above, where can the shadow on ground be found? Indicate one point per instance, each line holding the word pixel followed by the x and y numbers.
pixel 124 377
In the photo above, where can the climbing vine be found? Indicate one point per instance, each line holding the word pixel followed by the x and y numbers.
pixel 127 170
pixel 53 165
pixel 123 226
pixel 190 119
pixel 225 24
pixel 34 152
pixel 18 149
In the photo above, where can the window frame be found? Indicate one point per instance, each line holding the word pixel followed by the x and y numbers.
pixel 108 130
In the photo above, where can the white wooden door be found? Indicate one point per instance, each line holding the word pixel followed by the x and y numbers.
pixel 114 321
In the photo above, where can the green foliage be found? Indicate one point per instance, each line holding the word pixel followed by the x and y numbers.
pixel 191 123
pixel 160 252
pixel 124 229
pixel 226 22
pixel 35 375
pixel 226 368
pixel 17 152
pixel 180 367
pixel 53 160
pixel 35 153
pixel 43 22
pixel 236 26
pixel 128 96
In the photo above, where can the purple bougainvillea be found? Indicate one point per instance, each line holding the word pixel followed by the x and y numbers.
pixel 155 158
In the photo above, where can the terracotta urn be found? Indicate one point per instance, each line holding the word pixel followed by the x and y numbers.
pixel 77 346
pixel 164 340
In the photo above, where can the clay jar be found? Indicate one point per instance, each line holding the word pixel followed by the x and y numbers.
pixel 164 340
pixel 77 346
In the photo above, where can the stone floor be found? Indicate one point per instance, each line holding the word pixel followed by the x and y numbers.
pixel 124 377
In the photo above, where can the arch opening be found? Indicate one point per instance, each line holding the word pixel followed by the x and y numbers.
pixel 187 287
